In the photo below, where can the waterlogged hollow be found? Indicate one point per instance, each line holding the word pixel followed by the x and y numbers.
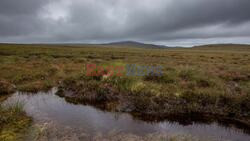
pixel 50 108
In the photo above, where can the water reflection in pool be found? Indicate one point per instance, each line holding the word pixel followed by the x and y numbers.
pixel 48 106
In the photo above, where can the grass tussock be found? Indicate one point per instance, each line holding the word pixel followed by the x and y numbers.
pixel 13 122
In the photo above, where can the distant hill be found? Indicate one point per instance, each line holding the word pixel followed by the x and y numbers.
pixel 223 47
pixel 123 44
pixel 135 44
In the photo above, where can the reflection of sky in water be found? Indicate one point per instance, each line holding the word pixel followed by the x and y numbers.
pixel 47 106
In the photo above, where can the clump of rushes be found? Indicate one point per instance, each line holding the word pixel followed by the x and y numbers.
pixel 13 122
pixel 122 83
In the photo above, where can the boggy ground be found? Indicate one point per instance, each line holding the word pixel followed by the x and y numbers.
pixel 149 101
pixel 206 81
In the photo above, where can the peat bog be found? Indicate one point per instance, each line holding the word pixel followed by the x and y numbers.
pixel 206 85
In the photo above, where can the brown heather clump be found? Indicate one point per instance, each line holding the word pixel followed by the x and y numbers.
pixel 6 88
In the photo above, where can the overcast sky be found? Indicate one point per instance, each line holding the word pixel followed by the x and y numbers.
pixel 168 22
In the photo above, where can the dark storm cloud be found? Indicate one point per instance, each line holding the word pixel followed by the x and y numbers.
pixel 20 17
pixel 112 20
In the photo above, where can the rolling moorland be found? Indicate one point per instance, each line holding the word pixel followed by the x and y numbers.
pixel 210 81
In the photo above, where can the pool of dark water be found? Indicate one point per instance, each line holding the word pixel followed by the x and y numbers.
pixel 48 106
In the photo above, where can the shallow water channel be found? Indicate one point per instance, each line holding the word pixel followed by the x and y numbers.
pixel 50 108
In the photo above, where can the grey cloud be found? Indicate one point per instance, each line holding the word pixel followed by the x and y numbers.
pixel 20 18
pixel 18 7
pixel 113 20
pixel 182 14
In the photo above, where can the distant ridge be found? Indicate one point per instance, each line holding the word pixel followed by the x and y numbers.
pixel 135 44
pixel 223 46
